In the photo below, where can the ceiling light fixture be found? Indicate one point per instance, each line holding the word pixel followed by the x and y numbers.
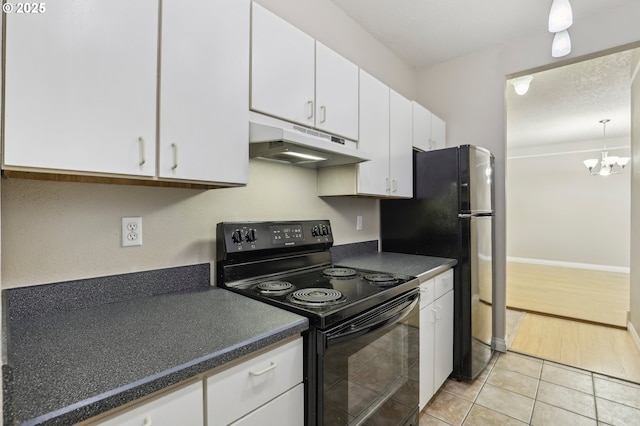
pixel 560 19
pixel 561 45
pixel 560 16
pixel 521 84
pixel 609 165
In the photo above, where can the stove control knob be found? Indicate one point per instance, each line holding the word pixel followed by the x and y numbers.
pixel 236 236
pixel 323 230
pixel 251 235
pixel 315 231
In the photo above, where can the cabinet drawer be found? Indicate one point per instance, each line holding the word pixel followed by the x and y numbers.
pixel 427 292
pixel 285 410
pixel 180 407
pixel 444 283
pixel 241 389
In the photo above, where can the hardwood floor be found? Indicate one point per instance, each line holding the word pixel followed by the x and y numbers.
pixel 602 349
pixel 576 317
pixel 588 295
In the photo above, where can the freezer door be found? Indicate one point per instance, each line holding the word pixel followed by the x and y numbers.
pixel 476 179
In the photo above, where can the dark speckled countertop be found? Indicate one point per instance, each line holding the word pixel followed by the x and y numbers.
pixel 70 365
pixel 423 267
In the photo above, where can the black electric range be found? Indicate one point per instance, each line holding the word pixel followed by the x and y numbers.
pixel 353 314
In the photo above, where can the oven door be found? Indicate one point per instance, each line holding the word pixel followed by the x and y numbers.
pixel 368 367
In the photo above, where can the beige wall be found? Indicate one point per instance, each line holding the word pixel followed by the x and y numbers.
pixel 58 231
pixel 468 93
pixel 557 211
pixel 634 301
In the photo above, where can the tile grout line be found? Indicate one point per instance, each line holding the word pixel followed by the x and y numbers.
pixel 595 399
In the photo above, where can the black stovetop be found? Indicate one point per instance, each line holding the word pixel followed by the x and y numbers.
pixel 358 292
pixel 297 254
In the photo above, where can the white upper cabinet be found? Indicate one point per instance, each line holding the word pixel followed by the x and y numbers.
pixel 297 79
pixel 80 87
pixel 282 68
pixel 204 90
pixel 400 146
pixel 429 130
pixel 386 133
pixel 336 93
pixel 373 176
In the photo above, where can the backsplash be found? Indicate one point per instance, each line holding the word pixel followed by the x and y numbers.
pixel 48 299
pixel 338 253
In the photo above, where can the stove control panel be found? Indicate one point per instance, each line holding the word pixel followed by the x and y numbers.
pixel 235 237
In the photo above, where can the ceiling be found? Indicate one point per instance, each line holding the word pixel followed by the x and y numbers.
pixel 563 104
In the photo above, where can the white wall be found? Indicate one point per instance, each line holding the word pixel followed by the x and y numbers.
pixel 53 231
pixel 468 93
pixel 634 300
pixel 557 211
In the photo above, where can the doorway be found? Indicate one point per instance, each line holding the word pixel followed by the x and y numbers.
pixel 568 232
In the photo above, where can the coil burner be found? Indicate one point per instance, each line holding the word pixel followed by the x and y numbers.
pixel 273 288
pixel 317 297
pixel 340 272
pixel 381 280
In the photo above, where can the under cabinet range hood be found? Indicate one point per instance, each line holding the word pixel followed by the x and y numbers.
pixel 292 144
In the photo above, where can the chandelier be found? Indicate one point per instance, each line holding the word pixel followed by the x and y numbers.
pixel 608 165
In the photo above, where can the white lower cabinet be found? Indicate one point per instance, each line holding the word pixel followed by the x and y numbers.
pixel 436 334
pixel 184 406
pixel 263 389
pixel 284 410
pixel 255 384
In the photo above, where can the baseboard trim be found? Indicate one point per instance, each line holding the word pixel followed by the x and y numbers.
pixel 634 334
pixel 593 267
pixel 499 344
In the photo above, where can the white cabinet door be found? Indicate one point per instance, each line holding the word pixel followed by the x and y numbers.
pixel 438 132
pixel 336 93
pixel 427 338
pixel 429 130
pixel 373 176
pixel 204 90
pixel 80 88
pixel 285 410
pixel 400 146
pixel 184 406
pixel 234 392
pixel 421 126
pixel 443 359
pixel 282 68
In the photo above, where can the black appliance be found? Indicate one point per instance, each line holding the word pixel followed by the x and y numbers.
pixel 362 347
pixel 451 215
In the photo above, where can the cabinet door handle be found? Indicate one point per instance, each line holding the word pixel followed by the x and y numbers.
pixel 394 185
pixel 147 421
pixel 310 104
pixel 435 315
pixel 266 370
pixel 386 180
pixel 174 147
pixel 324 113
pixel 143 157
pixel 438 309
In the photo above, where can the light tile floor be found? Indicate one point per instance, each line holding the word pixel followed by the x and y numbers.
pixel 517 389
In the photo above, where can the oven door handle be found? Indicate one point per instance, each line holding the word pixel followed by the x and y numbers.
pixel 379 321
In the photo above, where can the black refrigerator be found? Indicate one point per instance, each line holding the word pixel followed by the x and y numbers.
pixel 451 215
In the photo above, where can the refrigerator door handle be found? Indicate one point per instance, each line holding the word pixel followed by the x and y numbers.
pixel 470 215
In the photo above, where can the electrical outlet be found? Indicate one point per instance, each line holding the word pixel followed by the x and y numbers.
pixel 358 223
pixel 131 231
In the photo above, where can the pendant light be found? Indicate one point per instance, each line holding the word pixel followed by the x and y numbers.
pixel 561 16
pixel 521 84
pixel 561 45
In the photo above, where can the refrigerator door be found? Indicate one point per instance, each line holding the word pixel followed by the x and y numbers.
pixel 476 175
pixel 479 268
